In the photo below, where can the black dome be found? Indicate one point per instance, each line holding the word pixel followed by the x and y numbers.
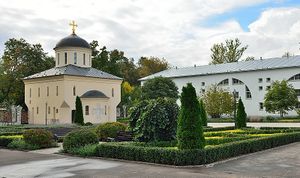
pixel 72 41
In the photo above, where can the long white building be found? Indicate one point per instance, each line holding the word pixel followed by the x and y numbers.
pixel 250 79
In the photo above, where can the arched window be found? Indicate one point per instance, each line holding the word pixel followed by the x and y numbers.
pixel 74 91
pixel 224 82
pixel 56 90
pixel 236 81
pixel 47 91
pixel 66 58
pixel 30 92
pixel 84 59
pixel 112 92
pixel 295 77
pixel 75 58
pixel 39 92
pixel 87 110
pixel 248 93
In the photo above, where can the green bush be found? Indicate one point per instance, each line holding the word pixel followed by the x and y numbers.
pixel 87 150
pixel 136 112
pixel 79 138
pixel 88 124
pixel 203 114
pixel 208 155
pixel 5 140
pixel 158 121
pixel 40 137
pixel 22 145
pixel 241 116
pixel 189 131
pixel 109 129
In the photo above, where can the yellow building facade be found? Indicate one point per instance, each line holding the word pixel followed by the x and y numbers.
pixel 50 95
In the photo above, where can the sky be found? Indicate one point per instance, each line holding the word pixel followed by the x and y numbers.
pixel 181 31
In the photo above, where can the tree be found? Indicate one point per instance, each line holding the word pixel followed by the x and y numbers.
pixel 287 54
pixel 78 112
pixel 241 117
pixel 250 58
pixel 203 114
pixel 230 52
pixel 156 120
pixel 151 65
pixel 159 87
pixel 189 129
pixel 281 97
pixel 20 59
pixel 126 92
pixel 218 101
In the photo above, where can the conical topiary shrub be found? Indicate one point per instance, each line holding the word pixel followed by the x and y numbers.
pixel 78 112
pixel 241 116
pixel 203 114
pixel 189 130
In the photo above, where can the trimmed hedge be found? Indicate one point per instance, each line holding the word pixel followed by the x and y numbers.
pixel 5 140
pixel 109 129
pixel 210 154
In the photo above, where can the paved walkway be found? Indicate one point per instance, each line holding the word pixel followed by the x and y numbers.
pixel 257 124
pixel 279 162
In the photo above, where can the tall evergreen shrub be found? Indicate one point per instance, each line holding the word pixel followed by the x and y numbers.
pixel 78 112
pixel 203 114
pixel 189 130
pixel 241 116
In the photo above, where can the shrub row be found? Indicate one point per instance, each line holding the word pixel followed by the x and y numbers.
pixel 5 140
pixel 210 154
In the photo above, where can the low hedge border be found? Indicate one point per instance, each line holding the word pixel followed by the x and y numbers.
pixel 173 156
pixel 5 140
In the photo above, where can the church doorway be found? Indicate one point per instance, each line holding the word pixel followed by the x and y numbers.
pixel 73 116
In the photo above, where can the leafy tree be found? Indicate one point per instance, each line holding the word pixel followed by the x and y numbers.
pixel 280 98
pixel 159 87
pixel 126 92
pixel 218 101
pixel 155 121
pixel 203 114
pixel 78 112
pixel 189 129
pixel 250 58
pixel 230 52
pixel 241 117
pixel 20 59
pixel 287 54
pixel 151 65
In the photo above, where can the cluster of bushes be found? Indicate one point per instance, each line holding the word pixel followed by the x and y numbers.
pixel 30 140
pixel 109 130
pixel 210 154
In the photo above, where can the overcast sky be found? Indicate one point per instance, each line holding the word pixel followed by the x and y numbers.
pixel 182 31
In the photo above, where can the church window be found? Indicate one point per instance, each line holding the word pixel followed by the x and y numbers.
pixel 49 109
pixel 75 58
pixel 202 83
pixel 105 110
pixel 56 110
pixel 37 110
pixel 112 92
pixel 236 81
pixel 268 79
pixel 57 58
pixel 260 80
pixel 47 91
pixel 260 88
pixel 39 92
pixel 84 59
pixel 87 110
pixel 30 92
pixel 66 58
pixel 56 90
pixel 74 91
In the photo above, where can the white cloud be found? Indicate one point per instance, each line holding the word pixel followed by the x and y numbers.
pixel 169 28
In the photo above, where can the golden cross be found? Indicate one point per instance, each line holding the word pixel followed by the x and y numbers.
pixel 73 26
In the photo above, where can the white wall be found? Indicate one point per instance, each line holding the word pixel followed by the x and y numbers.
pixel 248 78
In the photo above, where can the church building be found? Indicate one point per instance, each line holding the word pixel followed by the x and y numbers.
pixel 50 95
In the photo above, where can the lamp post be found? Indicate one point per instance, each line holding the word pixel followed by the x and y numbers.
pixel 234 106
